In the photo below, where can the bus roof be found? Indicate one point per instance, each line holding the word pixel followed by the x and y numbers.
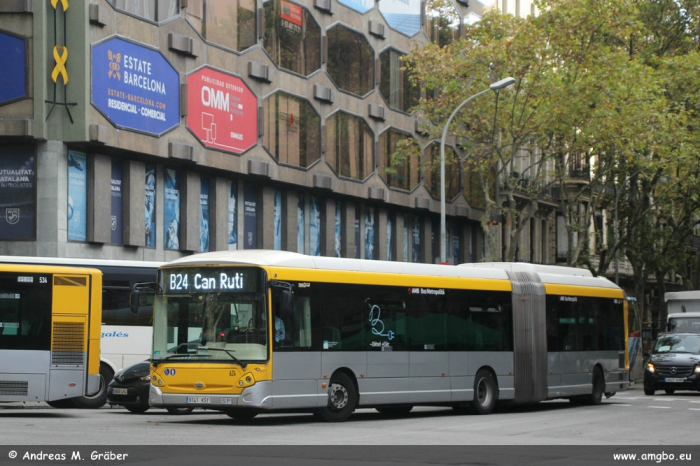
pixel 43 268
pixel 678 295
pixel 72 262
pixel 495 271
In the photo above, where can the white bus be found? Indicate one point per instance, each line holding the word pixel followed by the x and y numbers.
pixel 126 335
pixel 683 311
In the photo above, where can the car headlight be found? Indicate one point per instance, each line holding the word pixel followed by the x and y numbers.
pixel 651 368
pixel 697 369
pixel 145 378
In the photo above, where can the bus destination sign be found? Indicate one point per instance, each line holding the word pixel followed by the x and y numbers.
pixel 199 280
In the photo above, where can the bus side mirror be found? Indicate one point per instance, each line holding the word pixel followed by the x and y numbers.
pixel 286 297
pixel 134 300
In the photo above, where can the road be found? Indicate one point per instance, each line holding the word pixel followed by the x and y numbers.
pixel 628 418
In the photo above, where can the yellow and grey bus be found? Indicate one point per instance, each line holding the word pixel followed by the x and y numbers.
pixel 255 331
pixel 49 332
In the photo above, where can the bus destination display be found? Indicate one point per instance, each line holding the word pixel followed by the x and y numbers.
pixel 207 279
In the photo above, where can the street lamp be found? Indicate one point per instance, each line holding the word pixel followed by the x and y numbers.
pixel 443 240
pixel 617 228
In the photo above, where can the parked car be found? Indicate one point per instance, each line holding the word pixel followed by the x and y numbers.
pixel 673 364
pixel 130 386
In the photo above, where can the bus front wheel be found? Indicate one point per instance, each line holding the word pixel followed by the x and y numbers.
pixel 485 393
pixel 342 398
pixel 99 399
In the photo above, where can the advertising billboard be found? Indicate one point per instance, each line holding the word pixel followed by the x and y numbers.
pixel 314 226
pixel 204 215
pixel 150 188
pixel 135 87
pixel 222 111
pixel 17 188
pixel 233 217
pixel 77 196
pixel 116 198
pixel 13 72
pixel 250 216
pixel 171 206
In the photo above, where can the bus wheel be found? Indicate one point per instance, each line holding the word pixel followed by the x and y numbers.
pixel 598 388
pixel 395 410
pixel 485 393
pixel 99 399
pixel 66 403
pixel 342 398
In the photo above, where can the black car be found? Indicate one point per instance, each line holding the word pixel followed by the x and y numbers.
pixel 674 364
pixel 129 388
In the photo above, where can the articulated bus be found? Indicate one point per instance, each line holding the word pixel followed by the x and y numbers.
pixel 126 334
pixel 253 331
pixel 49 332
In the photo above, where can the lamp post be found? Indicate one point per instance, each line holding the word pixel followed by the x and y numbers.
pixel 443 240
pixel 617 228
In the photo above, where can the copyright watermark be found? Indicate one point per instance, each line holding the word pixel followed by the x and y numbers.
pixel 12 454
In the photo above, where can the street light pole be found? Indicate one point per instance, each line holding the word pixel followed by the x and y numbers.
pixel 443 237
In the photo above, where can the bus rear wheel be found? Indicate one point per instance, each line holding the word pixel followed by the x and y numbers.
pixel 342 398
pixel 485 393
pixel 99 399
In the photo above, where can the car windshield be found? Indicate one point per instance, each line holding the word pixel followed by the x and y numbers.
pixel 212 323
pixel 678 344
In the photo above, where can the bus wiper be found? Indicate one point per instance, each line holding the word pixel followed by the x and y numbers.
pixel 229 352
pixel 176 355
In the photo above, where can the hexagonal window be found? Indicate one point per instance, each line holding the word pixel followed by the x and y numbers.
pixel 292 37
pixel 362 6
pixel 473 188
pixel 350 60
pixel 292 130
pixel 350 146
pixel 403 16
pixel 432 169
pixel 229 23
pixel 403 172
pixel 151 10
pixel 395 83
pixel 442 22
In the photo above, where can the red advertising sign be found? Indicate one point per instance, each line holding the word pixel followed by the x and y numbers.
pixel 291 13
pixel 223 112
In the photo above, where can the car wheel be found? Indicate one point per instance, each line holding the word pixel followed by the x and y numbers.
pixel 485 393
pixel 395 410
pixel 649 391
pixel 137 409
pixel 99 399
pixel 670 391
pixel 66 403
pixel 342 398
pixel 173 410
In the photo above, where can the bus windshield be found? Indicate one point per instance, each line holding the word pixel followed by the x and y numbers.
pixel 211 315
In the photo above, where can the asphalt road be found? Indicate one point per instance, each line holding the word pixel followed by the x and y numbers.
pixel 628 418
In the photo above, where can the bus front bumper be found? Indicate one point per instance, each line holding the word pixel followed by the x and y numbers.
pixel 259 396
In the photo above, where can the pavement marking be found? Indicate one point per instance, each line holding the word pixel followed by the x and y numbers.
pixel 665 399
pixel 620 404
pixel 659 407
pixel 693 409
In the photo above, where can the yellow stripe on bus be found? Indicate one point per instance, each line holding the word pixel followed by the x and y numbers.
pixel 387 279
pixel 589 291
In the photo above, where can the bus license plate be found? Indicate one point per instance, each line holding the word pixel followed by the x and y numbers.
pixel 674 379
pixel 198 399
pixel 226 401
pixel 120 391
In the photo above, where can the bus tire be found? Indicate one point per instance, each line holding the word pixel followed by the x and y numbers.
pixel 485 393
pixel 598 388
pixel 137 409
pixel 66 403
pixel 342 398
pixel 99 399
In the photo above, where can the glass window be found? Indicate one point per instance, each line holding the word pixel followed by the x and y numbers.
pixel 343 318
pixel 403 16
pixel 292 130
pixel 362 6
pixel 403 173
pixel 473 188
pixel 395 85
pixel 350 60
pixel 230 23
pixel 293 332
pixel 427 323
pixel 153 10
pixel 350 146
pixel 442 22
pixel 432 166
pixel 25 312
pixel 292 37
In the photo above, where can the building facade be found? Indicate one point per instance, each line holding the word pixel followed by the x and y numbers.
pixel 153 129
